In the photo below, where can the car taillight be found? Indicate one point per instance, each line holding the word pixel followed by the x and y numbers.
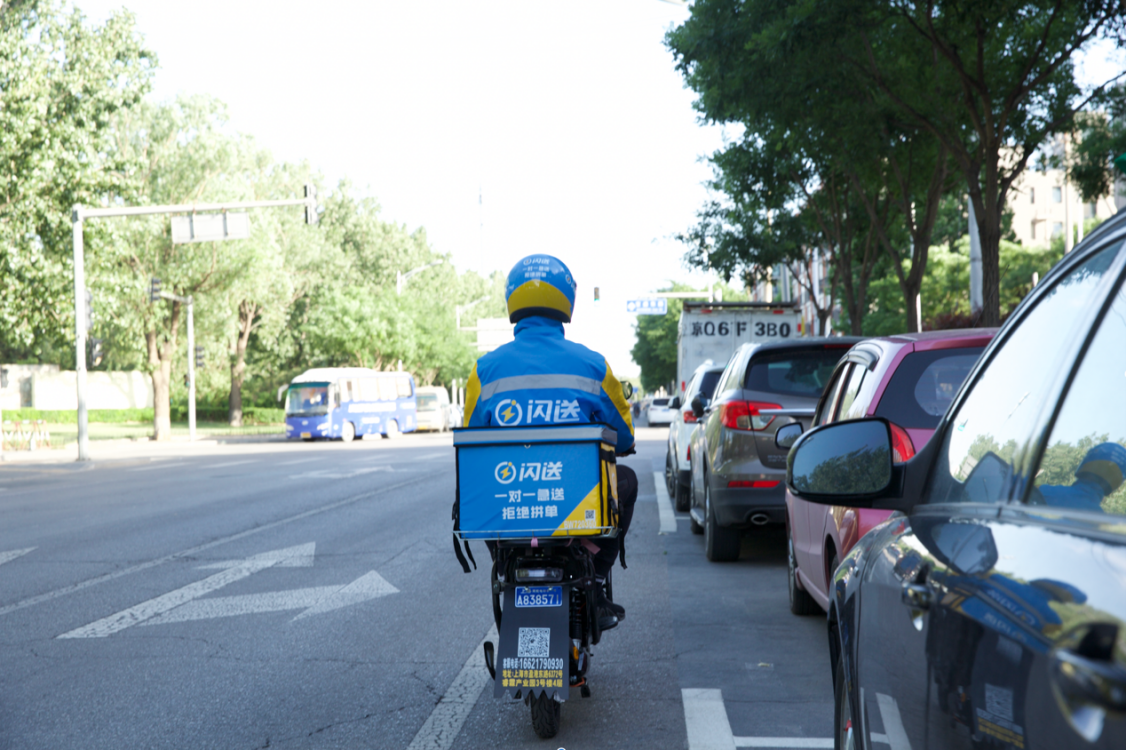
pixel 763 484
pixel 688 453
pixel 744 415
pixel 689 416
pixel 902 449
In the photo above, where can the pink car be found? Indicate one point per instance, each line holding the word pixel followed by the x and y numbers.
pixel 910 380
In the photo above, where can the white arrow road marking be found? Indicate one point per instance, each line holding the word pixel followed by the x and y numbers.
pixel 161 604
pixel 447 718
pixel 705 717
pixel 664 505
pixel 313 600
pixel 331 474
pixel 13 554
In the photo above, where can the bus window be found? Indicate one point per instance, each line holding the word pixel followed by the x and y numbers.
pixel 307 401
pixel 404 386
pixel 368 389
pixel 387 389
pixel 345 387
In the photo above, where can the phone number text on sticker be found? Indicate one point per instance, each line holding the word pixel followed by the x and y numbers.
pixel 539 596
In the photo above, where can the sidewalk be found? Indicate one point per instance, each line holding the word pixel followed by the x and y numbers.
pixel 104 450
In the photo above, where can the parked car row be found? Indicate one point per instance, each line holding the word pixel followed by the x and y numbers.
pixel 954 501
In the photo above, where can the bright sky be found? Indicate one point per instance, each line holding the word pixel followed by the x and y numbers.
pixel 567 119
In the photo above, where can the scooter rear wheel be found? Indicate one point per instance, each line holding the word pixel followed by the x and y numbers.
pixel 546 715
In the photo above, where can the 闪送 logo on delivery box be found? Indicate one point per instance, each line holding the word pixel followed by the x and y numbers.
pixel 505 472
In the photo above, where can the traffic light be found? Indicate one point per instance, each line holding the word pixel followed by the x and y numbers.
pixel 311 205
pixel 97 354
pixel 595 294
pixel 199 357
pixel 154 292
pixel 88 310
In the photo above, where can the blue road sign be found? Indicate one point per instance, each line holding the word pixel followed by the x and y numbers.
pixel 655 306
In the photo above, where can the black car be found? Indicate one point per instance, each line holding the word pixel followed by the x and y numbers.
pixel 737 471
pixel 990 612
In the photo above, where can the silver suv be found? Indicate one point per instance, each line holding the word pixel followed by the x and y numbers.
pixel 678 474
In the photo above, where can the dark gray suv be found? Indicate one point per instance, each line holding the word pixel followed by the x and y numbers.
pixel 990 610
pixel 737 470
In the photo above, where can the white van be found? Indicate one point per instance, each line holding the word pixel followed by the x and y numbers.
pixel 433 408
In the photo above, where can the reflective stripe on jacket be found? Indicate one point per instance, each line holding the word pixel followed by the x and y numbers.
pixel 542 378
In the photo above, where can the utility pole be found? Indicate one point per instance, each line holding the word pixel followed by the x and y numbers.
pixel 78 216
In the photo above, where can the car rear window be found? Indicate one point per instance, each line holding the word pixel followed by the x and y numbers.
pixel 660 402
pixel 799 373
pixel 708 381
pixel 924 384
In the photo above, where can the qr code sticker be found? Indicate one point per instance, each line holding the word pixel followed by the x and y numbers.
pixel 535 643
pixel 590 515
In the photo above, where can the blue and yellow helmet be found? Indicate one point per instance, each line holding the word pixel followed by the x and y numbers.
pixel 1107 463
pixel 540 285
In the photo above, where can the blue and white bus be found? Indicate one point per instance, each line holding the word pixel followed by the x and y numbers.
pixel 347 402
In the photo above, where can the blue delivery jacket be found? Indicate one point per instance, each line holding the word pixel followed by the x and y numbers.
pixel 542 378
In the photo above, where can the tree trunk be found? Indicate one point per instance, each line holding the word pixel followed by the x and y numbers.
pixel 823 321
pixel 246 314
pixel 160 359
pixel 986 196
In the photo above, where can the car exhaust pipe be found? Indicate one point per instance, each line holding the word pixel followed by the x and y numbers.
pixel 760 519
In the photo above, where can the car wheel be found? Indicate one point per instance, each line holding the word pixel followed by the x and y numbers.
pixel 801 603
pixel 721 544
pixel 347 432
pixel 681 497
pixel 392 430
pixel 670 474
pixel 844 738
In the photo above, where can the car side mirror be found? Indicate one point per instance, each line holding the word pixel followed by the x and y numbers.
pixel 675 403
pixel 627 390
pixel 697 407
pixel 844 463
pixel 787 435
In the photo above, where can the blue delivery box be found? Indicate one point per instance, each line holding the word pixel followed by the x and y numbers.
pixel 523 482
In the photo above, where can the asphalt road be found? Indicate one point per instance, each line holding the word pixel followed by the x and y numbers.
pixel 306 595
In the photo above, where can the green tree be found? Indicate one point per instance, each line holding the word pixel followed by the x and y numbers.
pixel 62 81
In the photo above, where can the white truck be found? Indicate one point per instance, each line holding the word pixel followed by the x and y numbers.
pixel 714 330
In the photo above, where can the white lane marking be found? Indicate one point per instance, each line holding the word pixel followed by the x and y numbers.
pixel 664 505
pixel 705 717
pixel 331 474
pixel 230 463
pixel 74 587
pixel 301 559
pixel 882 738
pixel 448 717
pixel 893 723
pixel 158 466
pixel 785 742
pixel 13 554
pixel 301 461
pixel 429 456
pixel 315 600
pixel 161 604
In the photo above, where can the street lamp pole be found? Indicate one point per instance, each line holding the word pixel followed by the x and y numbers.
pixel 401 278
